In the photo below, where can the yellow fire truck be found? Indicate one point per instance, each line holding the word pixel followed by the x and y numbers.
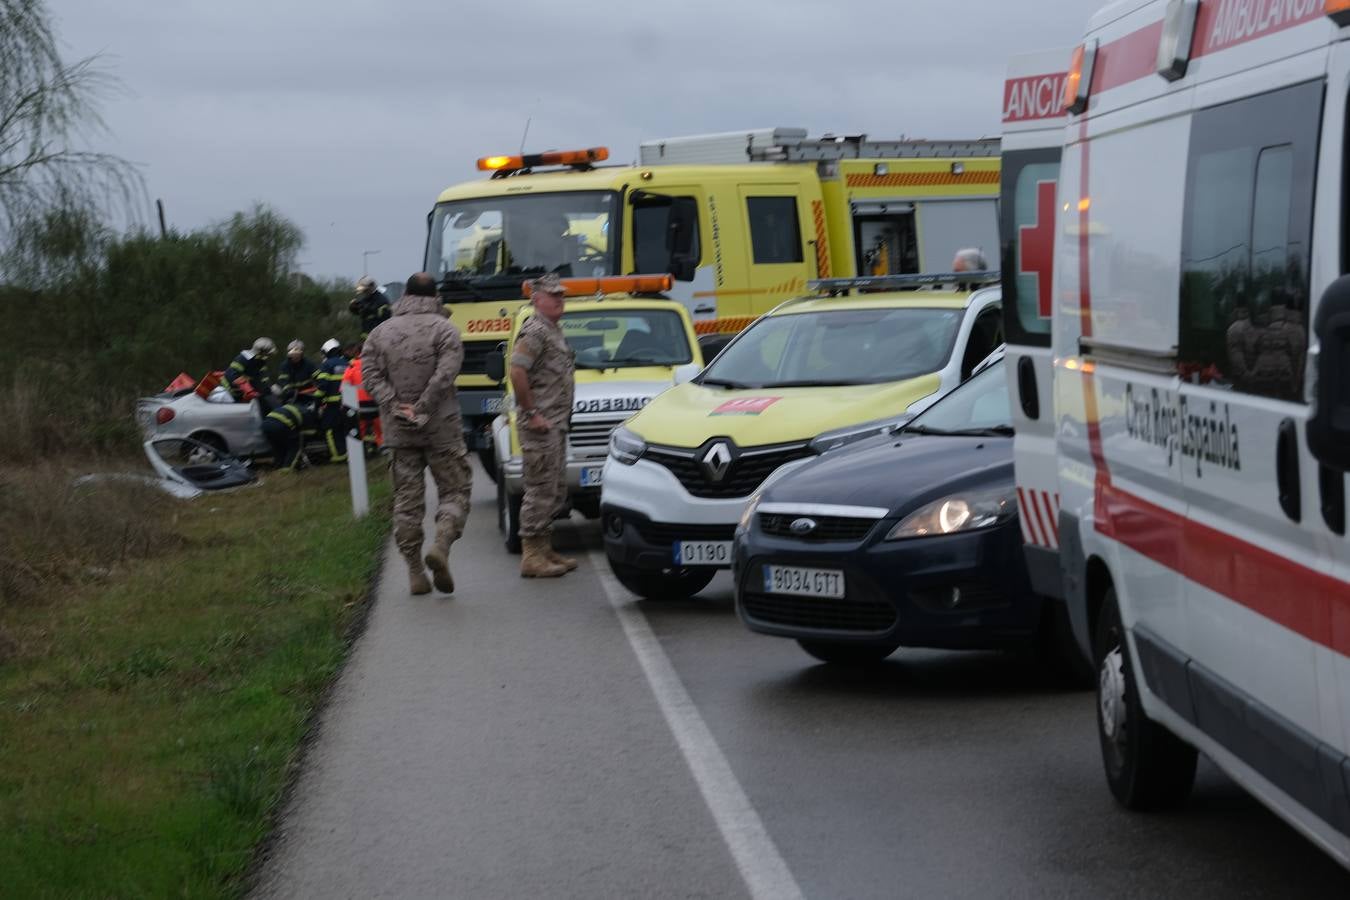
pixel 742 220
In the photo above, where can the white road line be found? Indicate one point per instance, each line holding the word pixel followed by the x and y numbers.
pixel 762 867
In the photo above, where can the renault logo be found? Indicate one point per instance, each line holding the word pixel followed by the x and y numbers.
pixel 716 462
pixel 802 526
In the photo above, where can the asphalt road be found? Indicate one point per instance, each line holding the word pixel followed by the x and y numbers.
pixel 562 739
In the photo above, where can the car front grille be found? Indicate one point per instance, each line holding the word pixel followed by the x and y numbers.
pixel 746 473
pixel 670 532
pixel 593 434
pixel 855 614
pixel 475 357
pixel 827 529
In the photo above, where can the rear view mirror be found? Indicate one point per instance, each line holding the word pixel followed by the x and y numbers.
pixel 494 364
pixel 1329 425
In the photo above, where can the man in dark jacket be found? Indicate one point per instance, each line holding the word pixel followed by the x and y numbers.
pixel 246 376
pixel 285 429
pixel 370 305
pixel 409 365
pixel 296 375
pixel 328 391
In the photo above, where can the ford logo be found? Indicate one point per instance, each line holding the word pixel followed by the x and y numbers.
pixel 802 526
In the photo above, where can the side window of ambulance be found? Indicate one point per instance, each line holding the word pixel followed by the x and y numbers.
pixel 775 233
pixel 1246 241
pixel 1027 222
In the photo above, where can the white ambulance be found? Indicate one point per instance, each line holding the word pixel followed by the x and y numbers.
pixel 1200 397
pixel 1033 139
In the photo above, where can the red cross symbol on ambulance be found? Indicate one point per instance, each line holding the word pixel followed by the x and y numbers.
pixel 1036 246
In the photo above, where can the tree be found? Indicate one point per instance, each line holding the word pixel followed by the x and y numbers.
pixel 47 109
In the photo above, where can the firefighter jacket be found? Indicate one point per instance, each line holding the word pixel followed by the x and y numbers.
pixel 372 309
pixel 297 377
pixel 328 380
pixel 247 376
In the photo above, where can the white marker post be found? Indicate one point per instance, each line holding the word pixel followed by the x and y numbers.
pixel 356 455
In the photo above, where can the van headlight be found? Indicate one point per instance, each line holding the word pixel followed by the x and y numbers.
pixel 625 446
pixel 965 511
pixel 842 437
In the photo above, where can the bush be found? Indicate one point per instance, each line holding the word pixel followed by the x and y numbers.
pixel 96 321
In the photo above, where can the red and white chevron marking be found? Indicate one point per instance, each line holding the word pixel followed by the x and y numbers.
pixel 1040 517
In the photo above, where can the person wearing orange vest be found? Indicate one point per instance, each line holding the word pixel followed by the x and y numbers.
pixel 372 433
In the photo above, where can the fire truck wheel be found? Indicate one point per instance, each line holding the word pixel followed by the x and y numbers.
pixel 1147 767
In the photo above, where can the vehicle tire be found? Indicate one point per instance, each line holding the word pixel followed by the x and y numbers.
pixel 844 653
pixel 1058 651
pixel 508 516
pixel 1147 767
pixel 663 584
pixel 488 457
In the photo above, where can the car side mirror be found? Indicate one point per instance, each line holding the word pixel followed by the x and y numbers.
pixel 1329 424
pixel 494 365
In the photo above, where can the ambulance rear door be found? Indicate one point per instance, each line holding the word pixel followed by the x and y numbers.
pixel 1033 137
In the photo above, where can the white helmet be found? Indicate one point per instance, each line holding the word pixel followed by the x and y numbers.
pixel 264 347
pixel 296 346
pixel 330 345
pixel 366 285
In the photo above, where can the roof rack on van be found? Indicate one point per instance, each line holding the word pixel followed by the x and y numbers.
pixel 834 286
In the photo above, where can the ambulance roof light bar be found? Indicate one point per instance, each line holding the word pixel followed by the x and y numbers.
pixel 1174 49
pixel 501 166
pixel 834 286
pixel 1078 85
pixel 1338 11
pixel 614 284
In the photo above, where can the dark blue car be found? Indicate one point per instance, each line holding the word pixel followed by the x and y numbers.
pixel 911 539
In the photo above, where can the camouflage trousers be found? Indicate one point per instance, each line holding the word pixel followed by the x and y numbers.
pixel 450 471
pixel 545 458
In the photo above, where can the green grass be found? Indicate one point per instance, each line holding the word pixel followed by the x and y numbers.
pixel 148 723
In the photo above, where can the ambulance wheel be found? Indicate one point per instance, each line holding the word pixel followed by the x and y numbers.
pixel 508 516
pixel 663 584
pixel 1147 767
pixel 488 457
pixel 843 653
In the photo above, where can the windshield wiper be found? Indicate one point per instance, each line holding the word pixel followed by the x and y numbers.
pixel 450 284
pixel 809 383
pixel 722 382
pixel 991 431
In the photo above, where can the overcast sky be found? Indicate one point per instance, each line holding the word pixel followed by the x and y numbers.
pixel 350 116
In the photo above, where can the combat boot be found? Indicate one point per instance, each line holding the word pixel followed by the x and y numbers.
pixel 567 562
pixel 417 575
pixel 438 561
pixel 534 559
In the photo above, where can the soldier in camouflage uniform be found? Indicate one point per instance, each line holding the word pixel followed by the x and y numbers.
pixel 409 368
pixel 542 369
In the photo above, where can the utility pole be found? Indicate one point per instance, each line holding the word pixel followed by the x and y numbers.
pixel 365 254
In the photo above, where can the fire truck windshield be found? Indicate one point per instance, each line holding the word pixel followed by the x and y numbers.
pixel 482 249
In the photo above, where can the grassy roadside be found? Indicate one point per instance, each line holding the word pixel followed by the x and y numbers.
pixel 147 721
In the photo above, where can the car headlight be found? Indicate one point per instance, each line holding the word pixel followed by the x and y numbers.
pixel 625 446
pixel 966 511
pixel 748 514
pixel 842 437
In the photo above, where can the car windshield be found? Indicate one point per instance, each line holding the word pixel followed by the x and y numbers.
pixel 482 249
pixel 627 338
pixel 980 406
pixel 838 347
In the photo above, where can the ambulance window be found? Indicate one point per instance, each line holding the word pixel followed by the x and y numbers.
pixel 775 234
pixel 1246 243
pixel 1027 221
